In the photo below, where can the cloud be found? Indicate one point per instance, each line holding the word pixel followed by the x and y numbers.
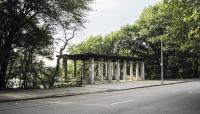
pixel 110 15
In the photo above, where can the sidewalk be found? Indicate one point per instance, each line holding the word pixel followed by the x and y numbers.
pixel 16 95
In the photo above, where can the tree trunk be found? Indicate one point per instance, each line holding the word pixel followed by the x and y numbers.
pixel 4 61
pixel 24 69
pixel 196 72
pixel 12 61
pixel 166 60
pixel 55 74
pixel 28 55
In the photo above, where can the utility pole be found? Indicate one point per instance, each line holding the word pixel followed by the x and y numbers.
pixel 161 44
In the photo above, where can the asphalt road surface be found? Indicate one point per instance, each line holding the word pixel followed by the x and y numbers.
pixel 169 99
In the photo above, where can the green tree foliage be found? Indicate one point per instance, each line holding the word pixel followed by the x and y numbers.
pixel 174 21
pixel 91 45
pixel 34 43
pixel 26 24
pixel 185 23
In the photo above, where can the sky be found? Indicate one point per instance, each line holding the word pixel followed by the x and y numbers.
pixel 108 16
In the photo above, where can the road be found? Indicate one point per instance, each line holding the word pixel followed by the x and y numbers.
pixel 181 98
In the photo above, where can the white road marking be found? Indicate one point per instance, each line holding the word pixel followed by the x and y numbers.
pixel 88 104
pixel 122 102
pixel 61 102
pixel 67 103
pixel 101 105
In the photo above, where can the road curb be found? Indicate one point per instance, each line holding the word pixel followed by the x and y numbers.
pixel 84 93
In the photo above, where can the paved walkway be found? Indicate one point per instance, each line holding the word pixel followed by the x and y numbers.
pixel 15 95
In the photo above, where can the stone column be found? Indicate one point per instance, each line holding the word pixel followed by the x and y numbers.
pixel 65 68
pixel 112 68
pixel 83 70
pixel 106 69
pixel 124 71
pixel 75 68
pixel 109 71
pixel 137 71
pixel 101 70
pixel 92 71
pixel 131 70
pixel 142 71
pixel 118 71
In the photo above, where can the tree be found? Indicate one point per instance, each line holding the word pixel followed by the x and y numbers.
pixel 175 21
pixel 185 23
pixel 65 42
pixel 93 44
pixel 16 14
pixel 33 43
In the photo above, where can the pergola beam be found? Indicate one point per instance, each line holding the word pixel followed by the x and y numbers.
pixel 98 57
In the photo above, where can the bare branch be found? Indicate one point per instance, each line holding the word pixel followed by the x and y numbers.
pixel 56 44
pixel 56 51
pixel 61 40
pixel 67 39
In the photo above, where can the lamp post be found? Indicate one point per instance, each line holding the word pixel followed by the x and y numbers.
pixel 161 44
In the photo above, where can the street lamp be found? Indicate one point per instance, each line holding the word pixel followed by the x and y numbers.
pixel 161 44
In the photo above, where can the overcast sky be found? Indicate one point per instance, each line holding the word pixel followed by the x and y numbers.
pixel 110 15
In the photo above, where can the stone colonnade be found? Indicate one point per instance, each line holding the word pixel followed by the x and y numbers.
pixel 109 67
pixel 113 70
